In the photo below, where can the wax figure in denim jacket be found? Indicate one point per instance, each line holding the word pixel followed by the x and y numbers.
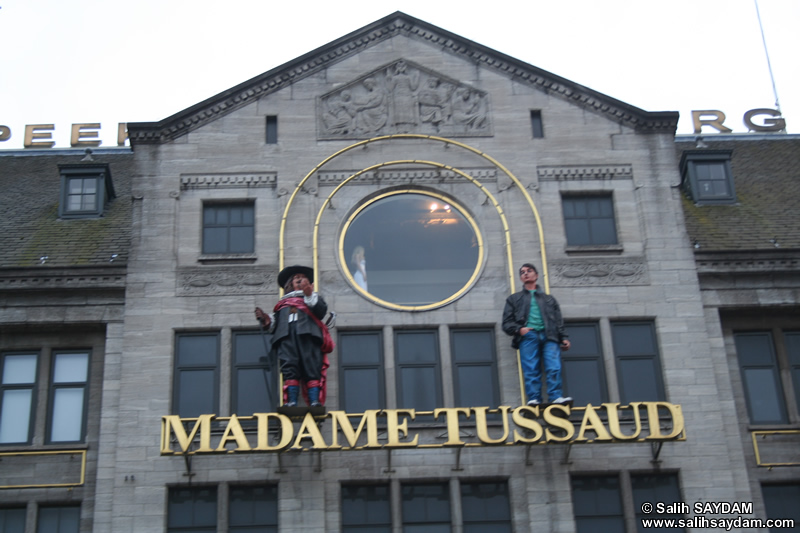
pixel 299 338
pixel 534 321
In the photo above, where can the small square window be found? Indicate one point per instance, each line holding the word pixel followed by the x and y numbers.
pixel 272 129
pixel 85 190
pixel 537 127
pixel 707 178
pixel 589 220
pixel 229 228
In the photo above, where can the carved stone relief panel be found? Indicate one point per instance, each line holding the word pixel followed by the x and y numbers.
pixel 599 272
pixel 403 97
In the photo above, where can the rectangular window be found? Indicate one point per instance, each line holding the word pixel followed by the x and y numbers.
pixel 196 374
pixel 419 379
pixel 12 520
pixel 366 509
pixel 597 504
pixel 638 364
pixel 486 507
pixel 272 129
pixel 253 509
pixel 361 371
pixel 17 397
pixel 706 176
pixel 85 190
pixel 536 124
pixel 254 387
pixel 228 228
pixel 781 503
pixel 474 368
pixel 191 510
pixel 582 368
pixel 589 220
pixel 792 340
pixel 68 396
pixel 59 519
pixel 653 488
pixel 760 378
pixel 426 508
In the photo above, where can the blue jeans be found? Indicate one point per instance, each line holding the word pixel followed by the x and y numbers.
pixel 532 349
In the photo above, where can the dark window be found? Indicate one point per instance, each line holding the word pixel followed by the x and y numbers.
pixel 192 510
pixel 707 177
pixel 589 220
pixel 426 508
pixel 361 371
pixel 597 504
pixel 228 228
pixel 486 507
pixel 17 397
pixel 85 190
pixel 12 520
pixel 366 509
pixel 760 378
pixel 638 365
pixel 653 488
pixel 792 340
pixel 196 374
pixel 536 124
pixel 781 502
pixel 272 129
pixel 68 396
pixel 474 368
pixel 583 372
pixel 419 383
pixel 253 388
pixel 59 519
pixel 253 509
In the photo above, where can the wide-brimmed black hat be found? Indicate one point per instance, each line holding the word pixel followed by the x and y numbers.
pixel 287 273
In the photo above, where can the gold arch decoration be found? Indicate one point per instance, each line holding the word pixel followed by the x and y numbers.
pixel 514 179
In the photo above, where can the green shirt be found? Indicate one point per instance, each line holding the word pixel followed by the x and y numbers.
pixel 535 321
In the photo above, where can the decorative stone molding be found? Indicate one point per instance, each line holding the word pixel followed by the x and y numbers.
pixel 403 97
pixel 225 280
pixel 585 172
pixel 228 181
pixel 276 79
pixel 759 265
pixel 401 176
pixel 602 272
pixel 64 280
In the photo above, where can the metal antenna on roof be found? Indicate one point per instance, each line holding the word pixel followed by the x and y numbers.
pixel 769 65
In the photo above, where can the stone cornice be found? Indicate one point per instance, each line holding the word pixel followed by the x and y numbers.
pixel 229 181
pixel 748 262
pixel 584 172
pixel 63 279
pixel 397 23
pixel 399 176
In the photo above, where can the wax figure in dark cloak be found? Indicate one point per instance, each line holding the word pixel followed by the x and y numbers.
pixel 299 338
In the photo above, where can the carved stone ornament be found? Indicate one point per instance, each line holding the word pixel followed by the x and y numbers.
pixel 225 281
pixel 403 97
pixel 609 272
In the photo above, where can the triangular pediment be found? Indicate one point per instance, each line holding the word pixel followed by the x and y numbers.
pixel 403 97
pixel 384 29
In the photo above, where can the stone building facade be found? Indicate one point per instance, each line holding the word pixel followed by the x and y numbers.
pixel 445 165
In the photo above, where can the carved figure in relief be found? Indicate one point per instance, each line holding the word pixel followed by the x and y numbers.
pixel 534 320
pixel 468 109
pixel 300 339
pixel 433 102
pixel 370 109
pixel 338 114
pixel 403 88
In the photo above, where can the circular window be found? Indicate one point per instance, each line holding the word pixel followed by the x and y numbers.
pixel 411 250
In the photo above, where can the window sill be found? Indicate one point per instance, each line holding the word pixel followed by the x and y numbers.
pixel 607 249
pixel 227 258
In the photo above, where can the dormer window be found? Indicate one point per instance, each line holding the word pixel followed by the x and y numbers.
pixel 706 176
pixel 85 190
